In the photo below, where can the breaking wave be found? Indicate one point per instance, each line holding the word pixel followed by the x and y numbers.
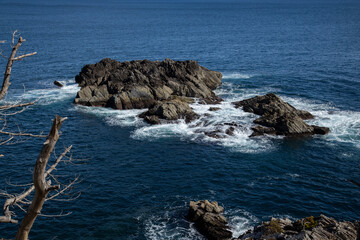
pixel 236 75
pixel 51 95
pixel 240 221
pixel 344 125
pixel 172 225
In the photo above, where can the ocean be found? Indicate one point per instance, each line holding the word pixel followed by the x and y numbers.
pixel 137 179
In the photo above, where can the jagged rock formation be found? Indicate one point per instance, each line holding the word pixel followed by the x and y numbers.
pixel 166 87
pixel 310 228
pixel 278 117
pixel 209 220
pixel 172 109
pixel 140 84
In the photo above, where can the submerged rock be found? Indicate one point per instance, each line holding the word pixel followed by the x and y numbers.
pixel 209 220
pixel 260 130
pixel 140 84
pixel 213 109
pixel 215 134
pixel 57 83
pixel 314 228
pixel 279 117
pixel 221 133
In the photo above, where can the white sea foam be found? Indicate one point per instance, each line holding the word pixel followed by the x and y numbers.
pixel 344 125
pixel 240 221
pixel 231 92
pixel 211 121
pixel 169 227
pixel 113 117
pixel 237 75
pixel 52 95
pixel 172 226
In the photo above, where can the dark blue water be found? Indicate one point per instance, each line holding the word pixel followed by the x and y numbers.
pixel 137 180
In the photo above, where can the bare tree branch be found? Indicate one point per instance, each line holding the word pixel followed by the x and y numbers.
pixel 14 35
pixel 12 58
pixel 41 185
pixel 57 215
pixel 6 141
pixel 13 200
pixel 24 56
pixel 21 134
pixel 64 189
pixel 6 107
pixel 354 182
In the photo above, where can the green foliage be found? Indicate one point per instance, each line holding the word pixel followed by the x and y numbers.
pixel 273 227
pixel 310 223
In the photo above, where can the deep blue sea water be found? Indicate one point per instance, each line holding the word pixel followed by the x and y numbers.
pixel 138 179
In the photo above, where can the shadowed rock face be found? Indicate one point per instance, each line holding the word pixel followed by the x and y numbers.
pixel 139 84
pixel 209 220
pixel 172 109
pixel 314 228
pixel 270 104
pixel 279 117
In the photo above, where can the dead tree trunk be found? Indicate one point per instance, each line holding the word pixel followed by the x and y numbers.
pixel 42 187
pixel 12 58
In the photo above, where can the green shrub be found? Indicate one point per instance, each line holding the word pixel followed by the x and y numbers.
pixel 310 223
pixel 273 227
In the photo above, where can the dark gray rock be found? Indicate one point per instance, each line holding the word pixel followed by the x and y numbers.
pixel 280 117
pixel 320 130
pixel 57 83
pixel 259 131
pixel 213 109
pixel 173 109
pixel 152 119
pixel 310 228
pixel 140 84
pixel 230 131
pixel 215 134
pixel 209 220
pixel 285 124
pixel 270 104
pixel 234 124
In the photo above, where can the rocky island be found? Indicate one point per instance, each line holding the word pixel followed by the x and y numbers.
pixel 167 88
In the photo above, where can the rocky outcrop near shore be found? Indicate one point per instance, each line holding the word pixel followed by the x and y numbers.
pixel 141 84
pixel 209 220
pixel 310 228
pixel 278 117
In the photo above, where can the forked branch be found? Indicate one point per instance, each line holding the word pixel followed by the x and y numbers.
pixel 11 59
pixel 42 187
